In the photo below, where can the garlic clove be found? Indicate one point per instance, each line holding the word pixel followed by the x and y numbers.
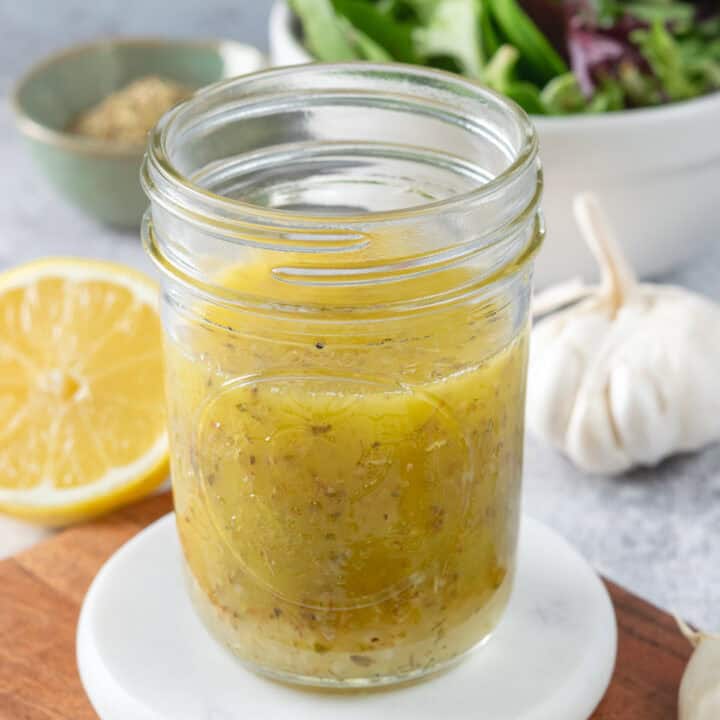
pixel 592 441
pixel 554 391
pixel 559 355
pixel 699 694
pixel 638 412
pixel 699 697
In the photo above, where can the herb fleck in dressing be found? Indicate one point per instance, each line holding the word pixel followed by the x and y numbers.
pixel 347 497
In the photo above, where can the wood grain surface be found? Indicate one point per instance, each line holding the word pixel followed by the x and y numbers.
pixel 41 591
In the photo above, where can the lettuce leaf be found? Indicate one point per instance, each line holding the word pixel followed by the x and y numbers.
pixel 662 53
pixel 324 33
pixel 451 28
pixel 379 25
pixel 541 61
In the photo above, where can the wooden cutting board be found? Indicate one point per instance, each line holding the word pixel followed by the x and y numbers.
pixel 41 591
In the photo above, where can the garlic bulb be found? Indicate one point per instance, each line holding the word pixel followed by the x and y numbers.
pixel 630 374
pixel 699 697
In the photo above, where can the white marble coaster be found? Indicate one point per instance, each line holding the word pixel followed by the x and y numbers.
pixel 144 655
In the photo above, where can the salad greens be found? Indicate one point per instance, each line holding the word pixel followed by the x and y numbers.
pixel 551 56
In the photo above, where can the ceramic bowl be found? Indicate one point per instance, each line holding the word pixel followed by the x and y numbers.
pixel 656 171
pixel 101 177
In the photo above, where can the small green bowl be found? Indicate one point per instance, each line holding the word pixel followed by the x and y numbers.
pixel 101 177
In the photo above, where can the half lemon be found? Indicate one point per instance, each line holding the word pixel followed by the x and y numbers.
pixel 82 415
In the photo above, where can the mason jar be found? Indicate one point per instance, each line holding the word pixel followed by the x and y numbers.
pixel 347 256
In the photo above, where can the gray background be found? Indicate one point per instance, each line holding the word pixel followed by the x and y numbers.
pixel 655 531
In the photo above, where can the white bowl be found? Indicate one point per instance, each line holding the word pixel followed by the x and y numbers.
pixel 656 171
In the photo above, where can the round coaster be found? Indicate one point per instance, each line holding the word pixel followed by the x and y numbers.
pixel 143 654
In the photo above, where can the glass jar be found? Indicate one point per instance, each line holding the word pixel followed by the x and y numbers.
pixel 347 257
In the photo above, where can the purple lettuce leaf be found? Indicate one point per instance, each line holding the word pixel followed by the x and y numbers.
pixel 596 52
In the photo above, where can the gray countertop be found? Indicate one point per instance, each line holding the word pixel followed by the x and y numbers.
pixel 655 531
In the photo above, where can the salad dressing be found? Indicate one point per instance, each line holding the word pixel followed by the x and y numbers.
pixel 345 525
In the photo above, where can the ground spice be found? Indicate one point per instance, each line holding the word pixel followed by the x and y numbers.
pixel 130 113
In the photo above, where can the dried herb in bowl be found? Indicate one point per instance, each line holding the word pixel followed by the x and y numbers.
pixel 551 56
pixel 128 114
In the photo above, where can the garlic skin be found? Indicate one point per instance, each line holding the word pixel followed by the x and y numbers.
pixel 630 374
pixel 699 696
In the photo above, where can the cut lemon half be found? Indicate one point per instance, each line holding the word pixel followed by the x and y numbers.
pixel 82 416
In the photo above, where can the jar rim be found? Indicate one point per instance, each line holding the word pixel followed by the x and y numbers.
pixel 158 165
pixel 220 295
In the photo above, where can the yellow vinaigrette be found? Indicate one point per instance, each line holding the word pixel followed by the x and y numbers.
pixel 336 523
